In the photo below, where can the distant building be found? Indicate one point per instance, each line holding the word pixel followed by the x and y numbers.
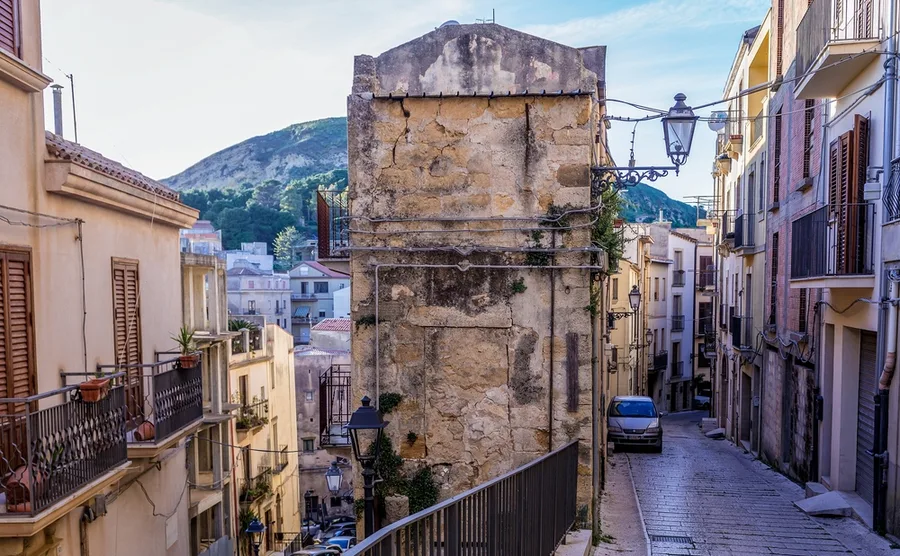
pixel 254 292
pixel 331 334
pixel 256 254
pixel 313 288
pixel 308 250
pixel 202 239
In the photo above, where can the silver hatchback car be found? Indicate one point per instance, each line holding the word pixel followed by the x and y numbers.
pixel 634 421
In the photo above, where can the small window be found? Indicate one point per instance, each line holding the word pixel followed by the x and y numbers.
pixel 321 314
pixel 656 289
pixel 664 289
pixel 309 396
pixel 320 287
pixel 304 271
pixel 304 287
pixel 251 305
pixel 615 289
pixel 250 284
pixel 308 445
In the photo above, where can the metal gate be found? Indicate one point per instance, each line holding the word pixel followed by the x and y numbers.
pixel 865 427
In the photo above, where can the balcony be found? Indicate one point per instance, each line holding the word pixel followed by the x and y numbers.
pixel 744 231
pixel 677 323
pixel 757 127
pixel 164 402
pixel 706 279
pixel 726 227
pixel 334 405
pixel 831 247
pixel 257 487
pixel 678 279
pixel 53 460
pixel 660 361
pixel 525 512
pixel 742 336
pixel 836 40
pixel 303 296
pixel 252 342
pixel 677 369
pixel 333 217
pixel 252 415
pixel 281 460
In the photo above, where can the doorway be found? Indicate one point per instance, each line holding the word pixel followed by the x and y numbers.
pixel 746 402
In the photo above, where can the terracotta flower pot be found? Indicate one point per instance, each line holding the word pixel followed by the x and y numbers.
pixel 19 488
pixel 188 361
pixel 145 431
pixel 94 390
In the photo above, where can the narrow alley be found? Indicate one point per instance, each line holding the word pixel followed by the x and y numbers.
pixel 720 501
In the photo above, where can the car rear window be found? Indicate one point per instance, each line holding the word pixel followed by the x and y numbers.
pixel 632 408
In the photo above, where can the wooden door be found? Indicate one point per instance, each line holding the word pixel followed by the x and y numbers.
pixel 127 330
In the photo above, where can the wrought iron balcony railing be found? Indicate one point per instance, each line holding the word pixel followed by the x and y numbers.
pixel 677 369
pixel 49 454
pixel 660 360
pixel 492 518
pixel 252 415
pixel 281 460
pixel 254 343
pixel 334 405
pixel 161 398
pixel 678 278
pixel 706 279
pixel 742 332
pixel 834 240
pixel 258 486
pixel 744 231
pixel 726 226
pixel 829 21
pixel 677 323
pixel 333 212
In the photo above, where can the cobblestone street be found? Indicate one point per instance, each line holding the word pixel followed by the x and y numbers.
pixel 723 502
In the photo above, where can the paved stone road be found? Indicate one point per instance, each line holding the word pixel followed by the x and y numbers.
pixel 730 504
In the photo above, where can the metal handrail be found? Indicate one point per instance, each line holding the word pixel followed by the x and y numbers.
pixel 496 513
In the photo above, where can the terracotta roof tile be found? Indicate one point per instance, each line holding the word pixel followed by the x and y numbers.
pixel 324 269
pixel 62 149
pixel 333 325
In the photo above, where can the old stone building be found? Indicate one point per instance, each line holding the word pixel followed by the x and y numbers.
pixel 470 155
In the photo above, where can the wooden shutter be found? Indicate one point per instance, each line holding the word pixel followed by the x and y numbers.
pixel 127 333
pixel 776 161
pixel 864 13
pixel 9 26
pixel 17 369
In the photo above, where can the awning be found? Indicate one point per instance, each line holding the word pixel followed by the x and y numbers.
pixel 302 312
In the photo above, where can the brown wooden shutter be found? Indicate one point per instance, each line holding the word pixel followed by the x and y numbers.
pixel 17 369
pixel 834 171
pixel 9 26
pixel 127 333
pixel 864 13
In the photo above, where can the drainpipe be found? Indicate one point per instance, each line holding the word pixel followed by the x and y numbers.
pixel 552 340
pixel 596 370
pixel 889 344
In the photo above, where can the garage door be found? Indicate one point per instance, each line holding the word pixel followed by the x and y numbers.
pixel 865 428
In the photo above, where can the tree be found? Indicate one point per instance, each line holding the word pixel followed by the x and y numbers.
pixel 285 242
pixel 294 200
pixel 267 194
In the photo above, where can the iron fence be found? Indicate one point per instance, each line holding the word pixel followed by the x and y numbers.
pixel 332 212
pixel 677 323
pixel 660 360
pixel 834 240
pixel 526 512
pixel 726 225
pixel 744 231
pixel 48 454
pixel 832 20
pixel 334 405
pixel 253 414
pixel 160 398
pixel 678 278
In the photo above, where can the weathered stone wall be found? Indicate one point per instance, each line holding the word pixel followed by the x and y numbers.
pixel 470 350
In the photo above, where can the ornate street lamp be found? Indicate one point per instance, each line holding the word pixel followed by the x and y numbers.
pixel 255 530
pixel 367 426
pixel 678 127
pixel 634 298
pixel 334 477
pixel 648 336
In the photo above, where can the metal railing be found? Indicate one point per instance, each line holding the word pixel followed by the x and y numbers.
pixel 834 240
pixel 289 543
pixel 735 124
pixel 161 398
pixel 256 339
pixel 677 368
pixel 706 279
pixel 303 296
pixel 742 331
pixel 678 278
pixel 258 486
pixel 48 454
pixel 252 415
pixel 891 195
pixel 677 323
pixel 334 405
pixel 333 212
pixel 254 343
pixel 281 460
pixel 827 21
pixel 744 231
pixel 757 126
pixel 660 360
pixel 525 512
pixel 726 225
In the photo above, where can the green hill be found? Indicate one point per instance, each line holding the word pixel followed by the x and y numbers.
pixel 643 203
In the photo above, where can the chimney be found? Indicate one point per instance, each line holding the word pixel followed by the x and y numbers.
pixel 660 215
pixel 57 110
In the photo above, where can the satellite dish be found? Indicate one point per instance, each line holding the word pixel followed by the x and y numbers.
pixel 717 121
pixel 449 23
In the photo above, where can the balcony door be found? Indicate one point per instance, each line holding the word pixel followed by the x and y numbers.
pixel 127 331
pixel 848 161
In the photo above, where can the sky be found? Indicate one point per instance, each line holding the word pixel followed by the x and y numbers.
pixel 161 84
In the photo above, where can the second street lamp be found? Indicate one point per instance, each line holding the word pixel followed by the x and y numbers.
pixel 367 426
pixel 634 298
pixel 334 477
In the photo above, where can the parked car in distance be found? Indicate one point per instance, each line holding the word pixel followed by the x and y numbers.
pixel 634 421
pixel 338 531
pixel 701 402
pixel 318 550
pixel 342 541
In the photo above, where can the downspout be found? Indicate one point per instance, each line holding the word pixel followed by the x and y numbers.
pixel 552 340
pixel 879 513
pixel 596 369
pixel 694 311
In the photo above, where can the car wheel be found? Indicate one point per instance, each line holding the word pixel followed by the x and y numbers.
pixel 658 448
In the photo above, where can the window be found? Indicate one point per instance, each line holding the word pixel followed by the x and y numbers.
pixel 762 183
pixel 780 39
pixel 321 314
pixel 251 305
pixel 751 190
pixel 802 310
pixel 304 287
pixel 808 130
pixel 776 164
pixel 656 289
pixel 676 305
pixel 250 284
pixel 320 287
pixel 17 374
pixel 304 271
pixel 848 159
pixel 9 27
pixel 663 293
pixel 679 259
pixel 705 317
pixel 309 396
pixel 615 289
pixel 773 286
pixel 127 331
pixel 308 445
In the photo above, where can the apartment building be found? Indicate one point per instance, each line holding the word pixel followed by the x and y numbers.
pixel 203 239
pixel 92 290
pixel 315 292
pixel 254 292
pixel 266 464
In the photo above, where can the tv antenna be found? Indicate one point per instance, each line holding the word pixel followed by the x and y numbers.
pixel 493 18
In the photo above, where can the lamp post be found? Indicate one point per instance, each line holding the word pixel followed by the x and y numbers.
pixel 334 477
pixel 255 531
pixel 678 128
pixel 366 425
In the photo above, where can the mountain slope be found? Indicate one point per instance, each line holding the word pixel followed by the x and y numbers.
pixel 643 203
pixel 294 152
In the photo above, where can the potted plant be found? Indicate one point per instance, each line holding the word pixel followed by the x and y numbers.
pixel 185 340
pixel 94 390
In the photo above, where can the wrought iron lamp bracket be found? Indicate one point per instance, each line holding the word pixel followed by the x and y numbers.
pixel 620 177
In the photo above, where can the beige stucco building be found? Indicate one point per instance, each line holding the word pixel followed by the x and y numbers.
pixel 469 293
